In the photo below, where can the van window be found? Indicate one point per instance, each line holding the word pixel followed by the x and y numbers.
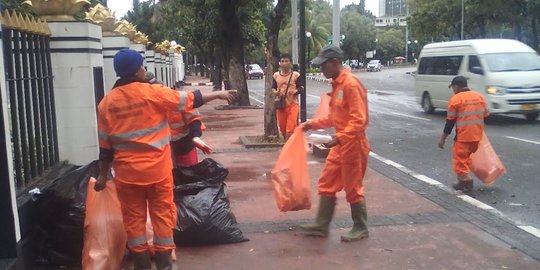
pixel 440 65
pixel 499 62
pixel 473 62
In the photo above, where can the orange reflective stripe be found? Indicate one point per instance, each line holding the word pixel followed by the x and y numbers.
pixel 177 125
pixel 134 145
pixel 163 241
pixel 103 135
pixel 136 241
pixel 190 117
pixel 183 101
pixel 179 135
pixel 470 113
pixel 138 133
pixel 469 122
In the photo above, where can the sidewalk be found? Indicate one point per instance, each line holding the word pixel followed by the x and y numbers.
pixel 413 225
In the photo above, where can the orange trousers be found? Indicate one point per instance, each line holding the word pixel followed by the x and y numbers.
pixel 345 168
pixel 156 199
pixel 461 157
pixel 288 118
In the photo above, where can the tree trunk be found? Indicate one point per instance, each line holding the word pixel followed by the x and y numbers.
pixel 534 31
pixel 482 26
pixel 234 49
pixel 517 31
pixel 272 59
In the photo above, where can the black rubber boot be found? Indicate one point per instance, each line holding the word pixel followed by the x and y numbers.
pixel 141 260
pixel 463 185
pixel 324 217
pixel 163 260
pixel 359 216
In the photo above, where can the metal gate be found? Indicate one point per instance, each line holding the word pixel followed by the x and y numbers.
pixel 31 109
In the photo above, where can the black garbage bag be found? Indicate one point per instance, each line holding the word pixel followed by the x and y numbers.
pixel 204 213
pixel 61 211
pixel 208 171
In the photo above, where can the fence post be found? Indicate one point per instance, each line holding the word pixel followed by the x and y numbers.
pixel 75 50
pixel 157 62
pixel 9 226
pixel 150 61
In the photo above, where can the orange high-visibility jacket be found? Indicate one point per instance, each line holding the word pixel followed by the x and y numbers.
pixel 348 108
pixel 280 84
pixel 179 123
pixel 132 120
pixel 468 109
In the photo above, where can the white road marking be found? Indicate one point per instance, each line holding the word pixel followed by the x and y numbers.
pixel 523 140
pixel 428 180
pixel 530 229
pixel 257 100
pixel 410 116
pixel 312 162
pixel 475 202
pixel 313 96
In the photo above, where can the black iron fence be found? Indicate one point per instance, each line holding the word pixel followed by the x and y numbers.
pixel 29 78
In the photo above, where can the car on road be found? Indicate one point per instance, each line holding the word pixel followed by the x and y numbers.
pixel 505 71
pixel 254 71
pixel 374 65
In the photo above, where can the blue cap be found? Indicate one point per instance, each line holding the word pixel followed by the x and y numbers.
pixel 127 62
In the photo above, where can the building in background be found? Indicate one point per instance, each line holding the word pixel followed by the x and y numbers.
pixel 392 12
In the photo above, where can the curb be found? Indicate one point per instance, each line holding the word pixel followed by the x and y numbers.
pixel 199 84
pixel 318 79
pixel 249 145
pixel 234 107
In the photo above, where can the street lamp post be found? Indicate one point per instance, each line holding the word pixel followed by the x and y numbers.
pixel 462 18
pixel 308 35
pixel 413 47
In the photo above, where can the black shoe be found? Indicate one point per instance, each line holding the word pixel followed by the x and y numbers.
pixel 463 185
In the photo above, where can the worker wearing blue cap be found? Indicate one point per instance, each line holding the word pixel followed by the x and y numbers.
pixel 134 133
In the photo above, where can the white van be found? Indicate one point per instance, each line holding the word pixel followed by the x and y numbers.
pixel 506 72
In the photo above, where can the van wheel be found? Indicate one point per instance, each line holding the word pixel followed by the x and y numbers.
pixel 531 116
pixel 426 104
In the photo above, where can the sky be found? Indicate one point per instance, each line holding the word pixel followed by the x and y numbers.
pixel 121 7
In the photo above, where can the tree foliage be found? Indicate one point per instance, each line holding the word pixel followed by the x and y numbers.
pixel 390 43
pixel 141 16
pixel 440 20
pixel 359 32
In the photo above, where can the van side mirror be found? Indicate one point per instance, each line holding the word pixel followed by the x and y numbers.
pixel 477 70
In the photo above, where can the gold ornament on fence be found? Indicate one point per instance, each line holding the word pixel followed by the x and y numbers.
pixel 163 47
pixel 102 16
pixel 56 10
pixel 141 38
pixel 179 49
pixel 14 20
pixel 127 29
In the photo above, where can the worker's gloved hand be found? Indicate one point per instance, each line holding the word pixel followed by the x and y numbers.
pixel 205 148
pixel 101 183
pixel 306 126
pixel 228 95
pixel 332 143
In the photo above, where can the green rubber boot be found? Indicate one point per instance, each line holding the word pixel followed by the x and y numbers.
pixel 324 216
pixel 163 260
pixel 141 260
pixel 359 216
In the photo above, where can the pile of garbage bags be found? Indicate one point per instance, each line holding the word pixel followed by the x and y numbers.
pixel 200 195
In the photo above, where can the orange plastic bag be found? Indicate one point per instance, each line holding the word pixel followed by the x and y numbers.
pixel 323 110
pixel 486 165
pixel 104 235
pixel 290 175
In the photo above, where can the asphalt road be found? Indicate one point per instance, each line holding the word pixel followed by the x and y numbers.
pixel 400 131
